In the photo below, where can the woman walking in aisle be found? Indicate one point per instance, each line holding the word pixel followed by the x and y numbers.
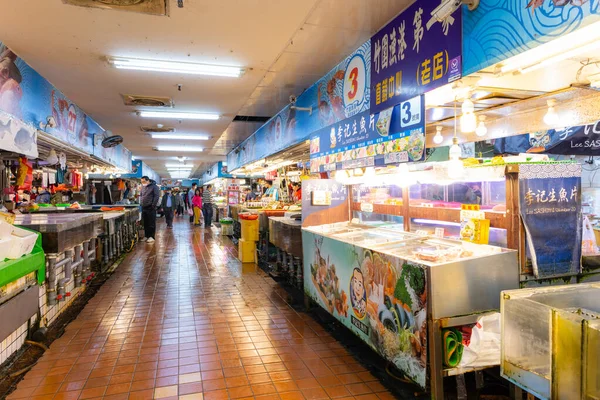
pixel 197 204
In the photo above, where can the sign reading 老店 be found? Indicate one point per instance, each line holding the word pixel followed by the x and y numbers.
pixel 550 202
pixel 414 53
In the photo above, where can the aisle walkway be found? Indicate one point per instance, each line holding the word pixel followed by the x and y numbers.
pixel 184 319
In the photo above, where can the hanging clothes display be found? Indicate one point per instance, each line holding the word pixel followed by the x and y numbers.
pixel 24 174
pixel 60 175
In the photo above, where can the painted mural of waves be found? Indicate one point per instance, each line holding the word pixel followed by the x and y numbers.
pixel 499 29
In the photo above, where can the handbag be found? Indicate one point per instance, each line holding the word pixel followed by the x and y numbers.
pixel 190 212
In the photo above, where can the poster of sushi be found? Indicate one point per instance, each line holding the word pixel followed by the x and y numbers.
pixel 380 298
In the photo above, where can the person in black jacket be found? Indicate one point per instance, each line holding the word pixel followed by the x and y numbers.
pixel 170 202
pixel 148 201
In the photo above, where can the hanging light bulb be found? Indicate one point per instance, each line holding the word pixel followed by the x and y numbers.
pixel 481 128
pixel 438 138
pixel 551 117
pixel 468 121
pixel 455 151
pixel 455 165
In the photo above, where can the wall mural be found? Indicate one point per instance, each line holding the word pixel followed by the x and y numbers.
pixel 26 95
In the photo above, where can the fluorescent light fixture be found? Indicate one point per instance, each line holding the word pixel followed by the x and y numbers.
pixel 177 115
pixel 175 67
pixel 179 136
pixel 178 165
pixel 180 169
pixel 570 45
pixel 179 148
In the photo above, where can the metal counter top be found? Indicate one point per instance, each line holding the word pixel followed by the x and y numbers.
pixel 56 222
pixel 287 221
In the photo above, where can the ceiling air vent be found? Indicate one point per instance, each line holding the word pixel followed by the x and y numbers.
pixel 153 7
pixel 156 129
pixel 250 118
pixel 147 101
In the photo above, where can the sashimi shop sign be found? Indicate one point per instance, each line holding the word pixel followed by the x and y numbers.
pixel 415 53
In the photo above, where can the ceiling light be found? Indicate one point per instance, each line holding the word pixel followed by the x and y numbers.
pixel 178 166
pixel 455 152
pixel 179 148
pixel 181 168
pixel 481 128
pixel 567 46
pixel 177 115
pixel 551 117
pixel 468 123
pixel 438 138
pixel 468 106
pixel 179 136
pixel 175 66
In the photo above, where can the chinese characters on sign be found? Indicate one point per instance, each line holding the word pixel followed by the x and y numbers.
pixel 550 204
pixel 410 57
pixel 392 136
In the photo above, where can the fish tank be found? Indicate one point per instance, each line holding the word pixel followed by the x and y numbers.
pixel 551 341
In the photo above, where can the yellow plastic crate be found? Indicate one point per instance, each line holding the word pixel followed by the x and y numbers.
pixel 247 251
pixel 249 230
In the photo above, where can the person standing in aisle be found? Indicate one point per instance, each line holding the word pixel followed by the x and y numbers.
pixel 197 205
pixel 190 196
pixel 169 205
pixel 207 206
pixel 148 201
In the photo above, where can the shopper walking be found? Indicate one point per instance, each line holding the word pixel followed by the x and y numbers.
pixel 169 205
pixel 190 196
pixel 180 203
pixel 197 205
pixel 148 201
pixel 207 206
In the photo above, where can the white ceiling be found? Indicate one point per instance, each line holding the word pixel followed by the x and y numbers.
pixel 285 44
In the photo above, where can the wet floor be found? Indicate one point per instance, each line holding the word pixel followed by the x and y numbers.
pixel 183 318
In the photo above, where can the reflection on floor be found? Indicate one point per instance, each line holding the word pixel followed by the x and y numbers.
pixel 182 318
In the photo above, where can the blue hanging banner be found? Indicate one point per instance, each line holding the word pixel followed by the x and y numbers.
pixel 393 136
pixel 550 203
pixel 581 140
pixel 413 54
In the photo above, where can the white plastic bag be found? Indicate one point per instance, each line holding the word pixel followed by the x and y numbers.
pixel 484 346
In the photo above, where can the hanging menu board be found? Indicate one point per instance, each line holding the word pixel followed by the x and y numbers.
pixel 395 135
pixel 414 54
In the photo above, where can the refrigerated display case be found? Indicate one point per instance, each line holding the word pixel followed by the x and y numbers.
pixel 395 289
pixel 550 340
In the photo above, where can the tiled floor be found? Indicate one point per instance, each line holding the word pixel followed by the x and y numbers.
pixel 184 319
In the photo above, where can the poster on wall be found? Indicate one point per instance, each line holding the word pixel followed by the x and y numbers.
pixel 500 29
pixel 26 95
pixel 381 299
pixel 550 203
pixel 342 93
pixel 415 53
pixel 393 136
pixel 17 136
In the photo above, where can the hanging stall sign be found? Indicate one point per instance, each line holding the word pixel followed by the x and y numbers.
pixel 17 136
pixel 413 54
pixel 550 203
pixel 393 136
pixel 581 140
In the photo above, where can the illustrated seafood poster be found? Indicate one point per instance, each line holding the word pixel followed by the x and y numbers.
pixel 382 299
pixel 500 29
pixel 28 97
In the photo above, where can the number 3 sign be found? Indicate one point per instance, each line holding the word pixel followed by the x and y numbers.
pixel 355 85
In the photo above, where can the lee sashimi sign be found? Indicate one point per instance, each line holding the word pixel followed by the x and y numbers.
pixel 392 136
pixel 550 203
pixel 414 53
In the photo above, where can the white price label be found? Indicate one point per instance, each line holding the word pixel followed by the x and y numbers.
pixel 366 207
pixel 410 112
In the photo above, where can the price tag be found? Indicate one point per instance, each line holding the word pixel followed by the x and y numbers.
pixel 439 232
pixel 366 207
pixel 421 233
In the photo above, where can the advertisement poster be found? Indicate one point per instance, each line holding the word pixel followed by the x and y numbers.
pixel 581 140
pixel 500 29
pixel 382 299
pixel 26 95
pixel 550 202
pixel 341 94
pixel 17 136
pixel 395 135
pixel 415 53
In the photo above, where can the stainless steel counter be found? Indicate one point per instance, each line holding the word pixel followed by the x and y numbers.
pixel 286 234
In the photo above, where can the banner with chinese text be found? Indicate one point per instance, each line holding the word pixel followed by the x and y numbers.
pixel 550 202
pixel 395 135
pixel 413 54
